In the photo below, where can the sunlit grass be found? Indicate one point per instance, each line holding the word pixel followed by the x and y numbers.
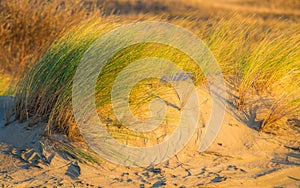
pixel 255 63
pixel 258 64
pixel 259 60
pixel 5 82
pixel 46 91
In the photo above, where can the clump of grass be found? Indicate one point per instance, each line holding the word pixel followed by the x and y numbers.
pixel 46 91
pixel 259 63
pixel 273 60
pixel 272 68
pixel 256 62
pixel 286 102
pixel 37 99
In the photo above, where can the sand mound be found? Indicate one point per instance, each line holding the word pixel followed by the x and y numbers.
pixel 240 156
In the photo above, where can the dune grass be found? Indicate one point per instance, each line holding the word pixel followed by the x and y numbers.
pixel 258 59
pixel 255 63
pixel 28 27
pixel 46 91
pixel 57 69
pixel 273 69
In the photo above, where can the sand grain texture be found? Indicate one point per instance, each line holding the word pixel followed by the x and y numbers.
pixel 239 157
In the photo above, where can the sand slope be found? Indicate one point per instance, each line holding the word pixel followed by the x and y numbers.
pixel 240 157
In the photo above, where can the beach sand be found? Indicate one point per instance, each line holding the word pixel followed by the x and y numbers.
pixel 241 156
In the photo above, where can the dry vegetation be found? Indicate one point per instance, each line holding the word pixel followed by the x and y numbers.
pixel 29 26
pixel 258 50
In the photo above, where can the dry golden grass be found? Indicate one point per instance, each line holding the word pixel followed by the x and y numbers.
pixel 29 26
pixel 4 84
pixel 255 42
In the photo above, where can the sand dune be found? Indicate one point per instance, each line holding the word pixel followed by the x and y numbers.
pixel 240 156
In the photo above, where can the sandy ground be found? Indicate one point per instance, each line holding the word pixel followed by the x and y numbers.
pixel 240 157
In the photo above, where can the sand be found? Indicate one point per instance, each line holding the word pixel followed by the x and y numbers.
pixel 241 156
